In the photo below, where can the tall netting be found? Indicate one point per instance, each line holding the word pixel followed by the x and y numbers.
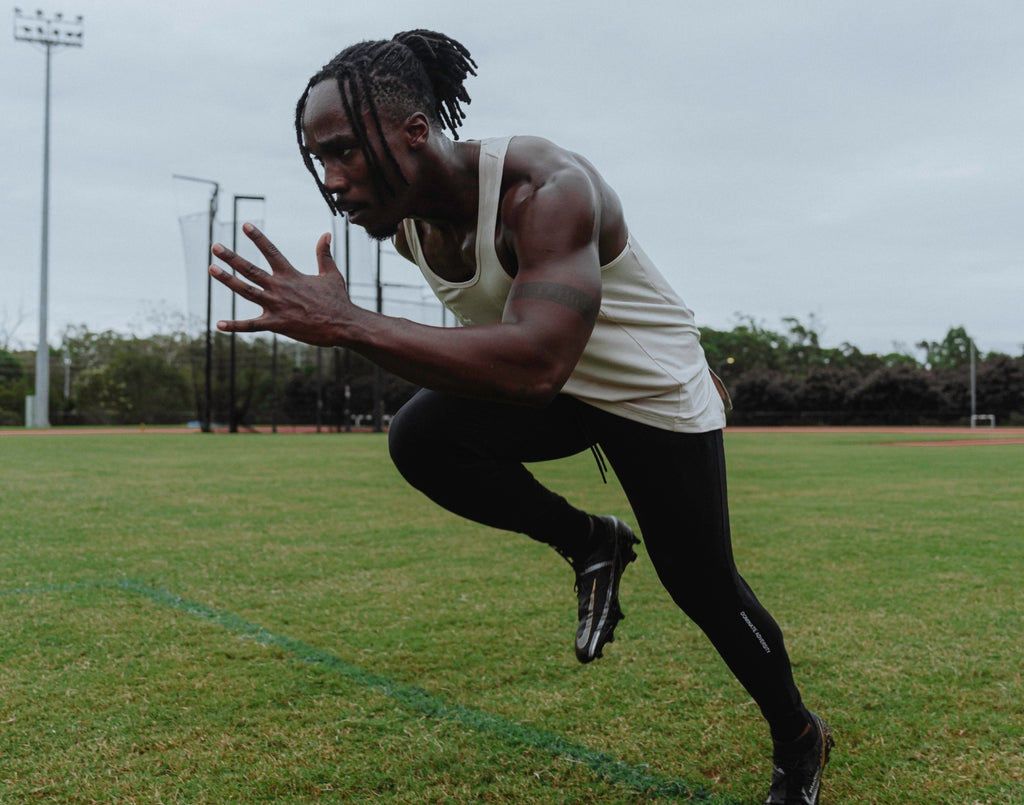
pixel 195 243
pixel 259 379
pixel 403 292
pixel 379 279
pixel 229 369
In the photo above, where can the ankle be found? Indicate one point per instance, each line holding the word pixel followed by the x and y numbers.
pixel 796 735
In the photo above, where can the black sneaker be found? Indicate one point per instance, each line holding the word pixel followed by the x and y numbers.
pixel 597 585
pixel 796 777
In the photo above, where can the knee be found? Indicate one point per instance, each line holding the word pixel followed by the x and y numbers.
pixel 412 438
pixel 402 438
pixel 699 582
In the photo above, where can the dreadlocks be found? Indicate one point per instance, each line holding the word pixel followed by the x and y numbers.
pixel 413 71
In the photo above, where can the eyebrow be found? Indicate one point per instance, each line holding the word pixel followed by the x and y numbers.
pixel 335 144
pixel 340 141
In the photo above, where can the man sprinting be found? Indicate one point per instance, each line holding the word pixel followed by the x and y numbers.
pixel 572 340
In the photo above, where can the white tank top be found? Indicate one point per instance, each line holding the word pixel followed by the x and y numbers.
pixel 644 360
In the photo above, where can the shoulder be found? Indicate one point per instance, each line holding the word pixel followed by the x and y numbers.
pixel 538 162
pixel 538 172
pixel 551 185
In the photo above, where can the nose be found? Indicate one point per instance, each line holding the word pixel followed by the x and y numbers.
pixel 335 178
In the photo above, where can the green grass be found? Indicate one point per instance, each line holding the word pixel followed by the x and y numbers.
pixel 256 618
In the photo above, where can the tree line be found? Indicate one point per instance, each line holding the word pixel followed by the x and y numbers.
pixel 108 378
pixel 774 377
pixel 787 377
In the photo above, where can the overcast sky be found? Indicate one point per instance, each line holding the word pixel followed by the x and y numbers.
pixel 858 165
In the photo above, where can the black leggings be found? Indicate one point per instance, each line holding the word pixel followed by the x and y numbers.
pixel 468 456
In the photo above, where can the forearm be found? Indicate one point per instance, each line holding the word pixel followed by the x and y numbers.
pixel 500 362
pixel 525 358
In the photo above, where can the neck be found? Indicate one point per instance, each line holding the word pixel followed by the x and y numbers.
pixel 449 183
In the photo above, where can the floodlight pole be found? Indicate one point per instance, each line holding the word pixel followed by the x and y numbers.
pixel 347 412
pixel 378 374
pixel 50 33
pixel 206 424
pixel 974 395
pixel 232 412
pixel 346 388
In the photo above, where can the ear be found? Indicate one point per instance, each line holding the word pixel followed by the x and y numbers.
pixel 416 130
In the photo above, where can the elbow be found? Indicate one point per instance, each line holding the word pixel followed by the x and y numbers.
pixel 534 372
pixel 537 397
pixel 541 388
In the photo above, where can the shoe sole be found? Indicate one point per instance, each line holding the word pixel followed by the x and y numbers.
pixel 827 744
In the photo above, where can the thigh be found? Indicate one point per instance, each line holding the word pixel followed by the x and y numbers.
pixel 495 430
pixel 676 486
pixel 468 456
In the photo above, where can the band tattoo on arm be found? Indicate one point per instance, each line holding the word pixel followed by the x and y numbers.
pixel 565 295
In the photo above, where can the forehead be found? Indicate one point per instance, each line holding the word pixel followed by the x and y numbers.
pixel 323 115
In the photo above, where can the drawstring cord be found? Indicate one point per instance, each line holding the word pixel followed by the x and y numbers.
pixel 602 465
pixel 595 449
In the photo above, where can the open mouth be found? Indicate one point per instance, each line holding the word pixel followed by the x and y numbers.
pixel 351 210
pixel 348 206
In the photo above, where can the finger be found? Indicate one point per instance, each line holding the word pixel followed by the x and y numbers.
pixel 243 289
pixel 242 326
pixel 276 260
pixel 324 259
pixel 248 270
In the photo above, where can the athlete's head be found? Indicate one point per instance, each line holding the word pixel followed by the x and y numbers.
pixel 386 81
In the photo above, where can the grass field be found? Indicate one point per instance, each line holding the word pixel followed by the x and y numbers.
pixel 255 618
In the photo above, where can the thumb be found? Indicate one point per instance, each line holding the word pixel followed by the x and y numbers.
pixel 324 259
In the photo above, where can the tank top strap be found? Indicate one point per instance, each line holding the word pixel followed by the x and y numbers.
pixel 412 240
pixel 492 163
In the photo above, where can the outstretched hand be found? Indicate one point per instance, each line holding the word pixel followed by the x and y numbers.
pixel 306 307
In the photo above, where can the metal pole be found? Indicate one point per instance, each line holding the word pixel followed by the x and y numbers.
pixel 232 420
pixel 378 377
pixel 273 385
pixel 208 402
pixel 233 415
pixel 336 352
pixel 41 417
pixel 974 409
pixel 67 375
pixel 49 32
pixel 348 352
pixel 319 388
pixel 338 401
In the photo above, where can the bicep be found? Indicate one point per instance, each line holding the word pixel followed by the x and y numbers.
pixel 557 289
pixel 553 232
pixel 562 294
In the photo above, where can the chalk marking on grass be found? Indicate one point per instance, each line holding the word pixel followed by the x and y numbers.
pixel 602 764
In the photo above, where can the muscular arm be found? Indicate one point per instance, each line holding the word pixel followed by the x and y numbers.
pixel 526 358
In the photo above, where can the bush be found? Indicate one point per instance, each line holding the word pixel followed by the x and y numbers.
pixel 897 395
pixel 825 393
pixel 766 397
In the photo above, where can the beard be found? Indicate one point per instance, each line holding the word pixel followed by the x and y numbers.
pixel 380 230
pixel 381 233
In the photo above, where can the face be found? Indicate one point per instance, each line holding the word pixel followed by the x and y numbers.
pixel 346 173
